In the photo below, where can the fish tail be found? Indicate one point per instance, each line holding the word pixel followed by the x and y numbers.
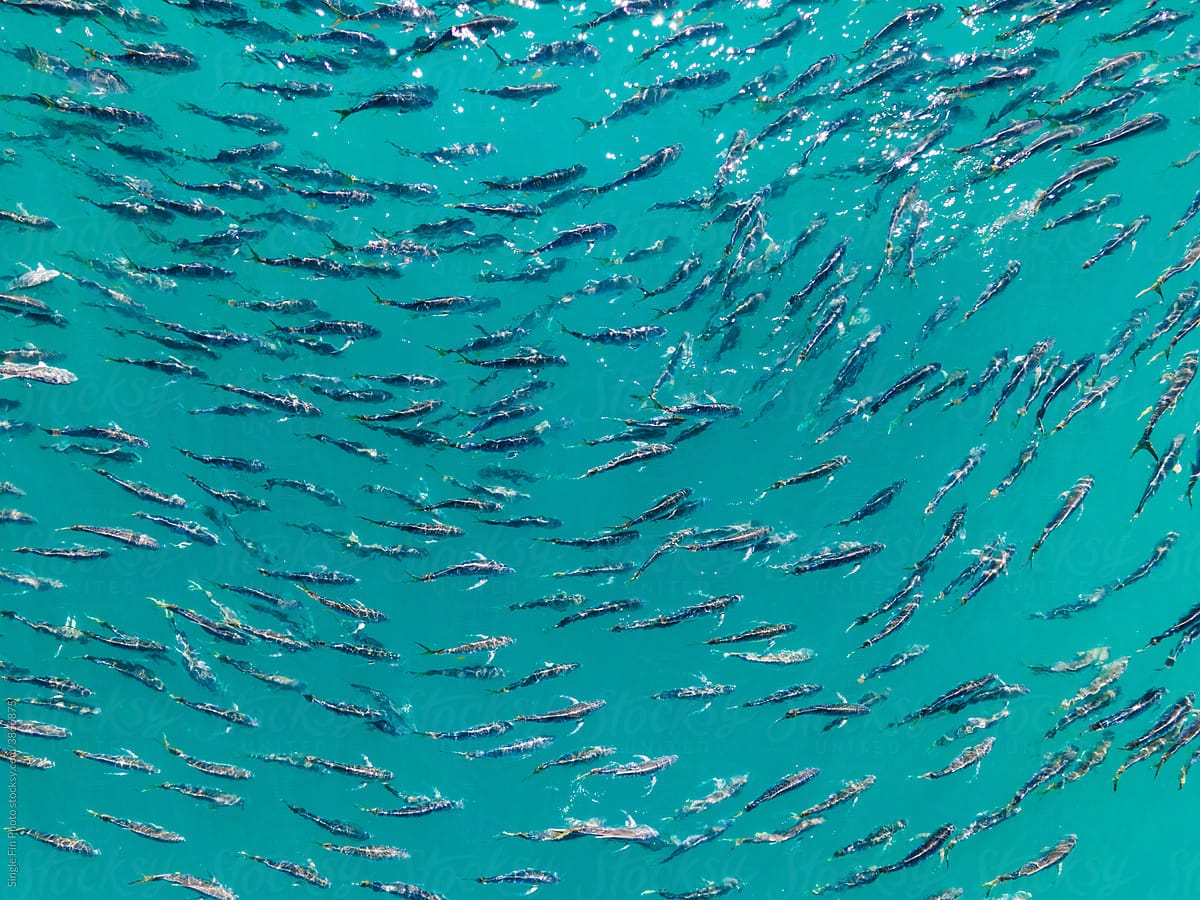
pixel 1156 287
pixel 500 61
pixel 1144 444
pixel 337 245
pixel 339 16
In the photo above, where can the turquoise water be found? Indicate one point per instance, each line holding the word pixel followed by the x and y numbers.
pixel 1131 842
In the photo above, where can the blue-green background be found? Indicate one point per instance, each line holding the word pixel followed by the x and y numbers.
pixel 1134 842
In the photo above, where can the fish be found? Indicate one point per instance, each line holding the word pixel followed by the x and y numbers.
pixel 521 876
pixel 229 715
pixel 1050 857
pixel 1142 704
pixel 971 756
pixel 1091 208
pixel 1160 20
pixel 648 167
pixel 72 844
pixel 695 692
pixel 1188 215
pixel 39 372
pixel 1085 171
pixel 144 829
pixel 825 470
pixel 933 843
pixel 902 658
pixel 372 851
pixel 1180 306
pixel 522 747
pixel 910 18
pixel 876 503
pixel 207 888
pixel 1091 397
pixel 784 785
pixel 1025 365
pixel 1136 125
pixel 1072 503
pixel 1011 270
pixel 220 770
pixel 341 829
pixel 581 234
pixel 850 553
pixel 1122 237
pixel 787 834
pixel 1167 464
pixel 135 671
pixel 303 873
pixel 196 792
pixel 1178 382
pixel 703 837
pixel 956 477
pixel 1191 255
pixel 839 711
